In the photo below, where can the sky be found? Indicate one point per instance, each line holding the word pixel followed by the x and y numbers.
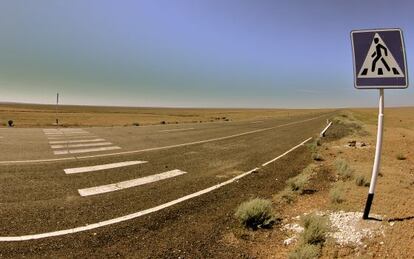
pixel 193 53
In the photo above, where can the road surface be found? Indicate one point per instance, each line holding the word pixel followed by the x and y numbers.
pixel 54 182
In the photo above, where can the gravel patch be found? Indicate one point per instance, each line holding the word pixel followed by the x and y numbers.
pixel 348 228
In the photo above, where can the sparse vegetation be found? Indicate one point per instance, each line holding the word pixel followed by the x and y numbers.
pixel 312 147
pixel 360 180
pixel 317 157
pixel 345 172
pixel 297 184
pixel 305 251
pixel 287 195
pixel 10 123
pixel 336 194
pixel 312 237
pixel 256 213
pixel 315 228
pixel 401 156
pixel 318 141
pixel 163 122
pixel 135 124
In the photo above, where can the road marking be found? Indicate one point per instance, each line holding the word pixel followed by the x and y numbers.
pixel 287 152
pixel 172 130
pixel 81 145
pixel 86 150
pixel 64 131
pixel 157 148
pixel 133 215
pixel 67 133
pixel 71 137
pixel 76 141
pixel 86 169
pixel 130 183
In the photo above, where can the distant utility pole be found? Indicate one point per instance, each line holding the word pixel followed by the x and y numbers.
pixel 57 104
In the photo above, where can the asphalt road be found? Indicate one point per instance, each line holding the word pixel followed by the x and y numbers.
pixel 37 196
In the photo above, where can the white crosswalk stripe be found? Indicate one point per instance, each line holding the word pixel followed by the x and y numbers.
pixel 75 141
pixel 86 150
pixel 81 145
pixel 94 168
pixel 130 183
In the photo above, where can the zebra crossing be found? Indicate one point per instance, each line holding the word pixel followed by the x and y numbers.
pixel 94 190
pixel 76 141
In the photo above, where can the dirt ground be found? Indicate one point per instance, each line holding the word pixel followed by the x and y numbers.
pixel 393 207
pixel 35 115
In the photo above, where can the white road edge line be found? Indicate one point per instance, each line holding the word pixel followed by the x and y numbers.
pixel 156 148
pixel 86 169
pixel 287 152
pixel 130 183
pixel 133 215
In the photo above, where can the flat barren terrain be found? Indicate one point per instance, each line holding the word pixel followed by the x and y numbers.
pixel 171 190
pixel 35 115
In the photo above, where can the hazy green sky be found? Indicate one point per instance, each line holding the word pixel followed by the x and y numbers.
pixel 201 53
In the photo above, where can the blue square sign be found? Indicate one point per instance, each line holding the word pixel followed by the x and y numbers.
pixel 379 59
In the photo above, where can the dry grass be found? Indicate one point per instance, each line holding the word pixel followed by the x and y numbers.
pixel 336 194
pixel 315 228
pixel 297 184
pixel 305 251
pixel 256 213
pixel 33 115
pixel 312 238
pixel 344 170
pixel 361 180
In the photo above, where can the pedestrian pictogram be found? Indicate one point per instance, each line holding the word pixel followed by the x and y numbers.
pixel 379 59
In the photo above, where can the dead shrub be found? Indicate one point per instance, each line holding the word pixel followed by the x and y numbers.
pixel 360 180
pixel 401 156
pixel 317 157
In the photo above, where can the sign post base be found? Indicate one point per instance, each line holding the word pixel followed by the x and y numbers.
pixel 377 159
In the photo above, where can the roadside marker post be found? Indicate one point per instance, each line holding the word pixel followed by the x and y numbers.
pixel 57 104
pixel 379 63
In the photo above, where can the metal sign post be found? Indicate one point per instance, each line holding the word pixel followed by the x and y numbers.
pixel 57 103
pixel 377 159
pixel 379 63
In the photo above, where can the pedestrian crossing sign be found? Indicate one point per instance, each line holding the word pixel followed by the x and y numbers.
pixel 379 59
